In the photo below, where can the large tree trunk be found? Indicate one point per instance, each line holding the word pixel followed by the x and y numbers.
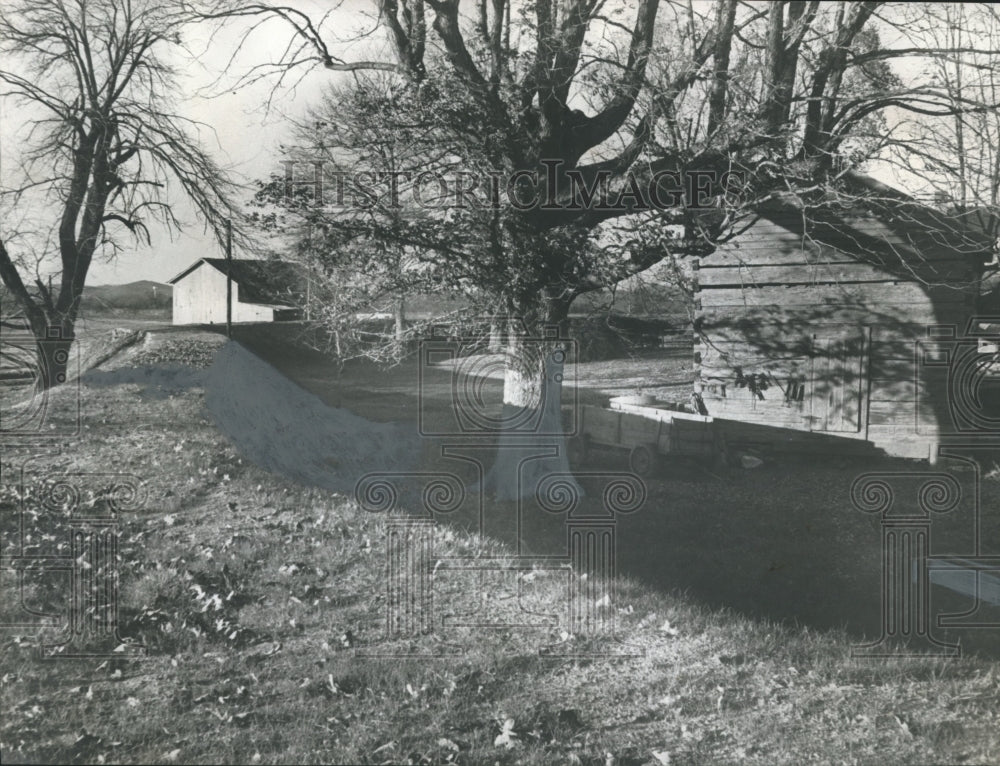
pixel 51 326
pixel 51 317
pixel 53 343
pixel 532 441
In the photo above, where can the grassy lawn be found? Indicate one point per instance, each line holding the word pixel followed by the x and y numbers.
pixel 261 603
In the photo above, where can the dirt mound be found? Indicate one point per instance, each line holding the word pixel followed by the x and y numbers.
pixel 285 429
pixel 96 349
pixel 122 346
pixel 162 364
pixel 189 349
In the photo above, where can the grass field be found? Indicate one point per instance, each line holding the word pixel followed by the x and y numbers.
pixel 740 596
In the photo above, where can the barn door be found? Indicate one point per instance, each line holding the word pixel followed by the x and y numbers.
pixel 838 372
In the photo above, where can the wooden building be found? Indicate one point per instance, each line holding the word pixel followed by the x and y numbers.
pixel 852 327
pixel 262 291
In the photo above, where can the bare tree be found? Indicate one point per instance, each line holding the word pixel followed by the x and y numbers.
pixel 956 156
pixel 102 147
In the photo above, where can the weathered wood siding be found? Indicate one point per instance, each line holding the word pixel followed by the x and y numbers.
pixel 842 338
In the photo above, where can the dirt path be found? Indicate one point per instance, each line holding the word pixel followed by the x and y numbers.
pixel 401 392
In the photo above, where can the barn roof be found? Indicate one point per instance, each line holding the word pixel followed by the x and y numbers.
pixel 270 282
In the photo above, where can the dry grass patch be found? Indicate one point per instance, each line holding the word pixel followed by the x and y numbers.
pixel 254 596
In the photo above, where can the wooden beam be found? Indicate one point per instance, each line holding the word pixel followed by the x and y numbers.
pixel 871 296
pixel 832 275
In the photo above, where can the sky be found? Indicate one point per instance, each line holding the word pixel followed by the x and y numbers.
pixel 244 135
pixel 242 130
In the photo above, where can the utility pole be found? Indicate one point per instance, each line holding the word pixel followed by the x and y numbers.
pixel 229 278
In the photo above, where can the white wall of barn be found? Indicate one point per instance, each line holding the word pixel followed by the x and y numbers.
pixel 200 298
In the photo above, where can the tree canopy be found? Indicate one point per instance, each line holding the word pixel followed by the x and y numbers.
pixel 617 135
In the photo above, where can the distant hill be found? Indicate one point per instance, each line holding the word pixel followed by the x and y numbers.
pixel 143 295
pixel 140 295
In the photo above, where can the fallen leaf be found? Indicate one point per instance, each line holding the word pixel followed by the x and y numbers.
pixel 669 629
pixel 904 727
pixel 507 736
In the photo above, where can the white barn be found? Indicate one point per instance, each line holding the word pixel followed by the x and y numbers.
pixel 262 291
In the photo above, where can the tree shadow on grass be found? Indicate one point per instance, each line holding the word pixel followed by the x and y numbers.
pixel 783 542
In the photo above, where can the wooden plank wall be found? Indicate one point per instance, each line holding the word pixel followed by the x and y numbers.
pixel 835 333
